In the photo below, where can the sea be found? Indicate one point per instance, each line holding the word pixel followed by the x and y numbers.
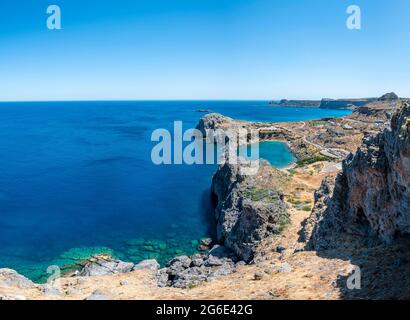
pixel 77 179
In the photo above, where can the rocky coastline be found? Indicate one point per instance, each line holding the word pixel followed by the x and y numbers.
pixel 326 103
pixel 246 211
pixel 371 196
pixel 245 214
pixel 360 216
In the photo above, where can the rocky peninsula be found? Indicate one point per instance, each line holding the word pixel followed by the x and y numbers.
pixel 327 103
pixel 297 233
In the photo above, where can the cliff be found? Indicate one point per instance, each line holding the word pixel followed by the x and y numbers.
pixel 246 212
pixel 326 103
pixel 345 103
pixel 296 103
pixel 371 196
pixel 366 206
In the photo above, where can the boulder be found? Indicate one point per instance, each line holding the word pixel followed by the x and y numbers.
pixel 197 260
pixel 213 261
pixel 175 268
pixel 150 264
pixel 162 278
pixel 259 275
pixel 190 277
pixel 105 265
pixel 184 260
pixel 205 244
pixel 179 274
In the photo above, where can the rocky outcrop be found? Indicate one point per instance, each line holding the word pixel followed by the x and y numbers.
pixel 150 264
pixel 380 111
pixel 296 103
pixel 245 212
pixel 389 97
pixel 187 272
pixel 180 272
pixel 217 128
pixel 10 278
pixel 103 265
pixel 371 197
pixel 213 121
pixel 325 103
pixel 321 231
pixel 345 103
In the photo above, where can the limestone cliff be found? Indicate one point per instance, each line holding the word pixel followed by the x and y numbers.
pixel 371 196
pixel 245 212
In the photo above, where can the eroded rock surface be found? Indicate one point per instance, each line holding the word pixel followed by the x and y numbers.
pixel 10 278
pixel 213 121
pixel 105 265
pixel 371 197
pixel 245 212
pixel 150 264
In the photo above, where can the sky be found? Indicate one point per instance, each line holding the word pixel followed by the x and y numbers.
pixel 203 50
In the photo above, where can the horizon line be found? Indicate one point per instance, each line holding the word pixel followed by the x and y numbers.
pixel 181 100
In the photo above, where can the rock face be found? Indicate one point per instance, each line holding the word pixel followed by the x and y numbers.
pixel 345 103
pixel 10 278
pixel 296 103
pixel 371 197
pixel 245 213
pixel 389 97
pixel 322 229
pixel 213 121
pixel 217 128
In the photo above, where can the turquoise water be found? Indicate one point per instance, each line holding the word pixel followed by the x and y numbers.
pixel 76 178
pixel 276 153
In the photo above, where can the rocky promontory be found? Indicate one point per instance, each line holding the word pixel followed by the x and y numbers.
pixel 371 196
pixel 270 244
pixel 327 103
pixel 246 212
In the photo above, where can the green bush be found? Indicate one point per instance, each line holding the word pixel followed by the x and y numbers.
pixel 314 159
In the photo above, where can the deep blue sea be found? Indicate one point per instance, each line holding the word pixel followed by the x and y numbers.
pixel 76 178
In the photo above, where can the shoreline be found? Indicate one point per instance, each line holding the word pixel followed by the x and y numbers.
pixel 261 196
pixel 248 123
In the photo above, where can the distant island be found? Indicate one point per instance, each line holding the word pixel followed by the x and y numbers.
pixel 326 103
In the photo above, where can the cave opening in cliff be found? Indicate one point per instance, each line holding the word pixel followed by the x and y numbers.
pixel 361 218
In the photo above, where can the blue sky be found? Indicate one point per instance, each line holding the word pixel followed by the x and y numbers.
pixel 203 49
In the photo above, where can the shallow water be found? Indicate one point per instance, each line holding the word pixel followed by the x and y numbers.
pixel 76 178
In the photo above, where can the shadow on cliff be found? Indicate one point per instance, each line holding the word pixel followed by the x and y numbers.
pixel 382 271
pixel 208 213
